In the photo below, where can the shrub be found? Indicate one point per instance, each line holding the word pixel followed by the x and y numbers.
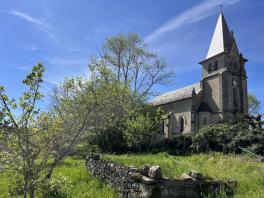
pixel 228 138
pixel 179 145
pixel 213 138
pixel 250 139
pixel 56 187
pixel 140 132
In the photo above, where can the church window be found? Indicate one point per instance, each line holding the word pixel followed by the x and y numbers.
pixel 235 98
pixel 216 65
pixel 209 68
pixel 181 123
pixel 162 127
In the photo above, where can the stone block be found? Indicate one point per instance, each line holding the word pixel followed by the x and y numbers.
pixel 196 175
pixel 144 170
pixel 155 172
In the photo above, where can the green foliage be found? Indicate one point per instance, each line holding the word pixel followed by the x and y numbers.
pixel 179 145
pixel 134 64
pixel 252 140
pixel 247 171
pixel 213 138
pixel 253 104
pixel 228 138
pixel 140 131
pixel 16 188
pixel 79 182
pixel 56 187
pixel 36 142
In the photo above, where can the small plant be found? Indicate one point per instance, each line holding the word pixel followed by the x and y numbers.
pixel 56 187
pixel 16 189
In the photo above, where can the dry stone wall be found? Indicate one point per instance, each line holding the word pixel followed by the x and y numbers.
pixel 147 182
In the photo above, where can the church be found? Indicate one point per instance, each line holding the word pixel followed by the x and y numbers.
pixel 220 96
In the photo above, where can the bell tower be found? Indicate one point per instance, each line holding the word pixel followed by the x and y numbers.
pixel 224 81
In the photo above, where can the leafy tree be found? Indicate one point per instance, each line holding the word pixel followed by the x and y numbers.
pixel 36 142
pixel 141 130
pixel 253 104
pixel 138 68
pixel 108 102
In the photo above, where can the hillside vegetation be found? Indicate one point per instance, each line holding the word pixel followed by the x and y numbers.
pixel 248 172
pixel 79 182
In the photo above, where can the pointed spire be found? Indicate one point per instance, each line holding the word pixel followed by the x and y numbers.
pixel 222 39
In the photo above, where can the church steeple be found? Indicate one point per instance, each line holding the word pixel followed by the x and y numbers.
pixel 222 38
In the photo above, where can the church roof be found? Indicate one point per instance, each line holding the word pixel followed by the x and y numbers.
pixel 175 95
pixel 222 38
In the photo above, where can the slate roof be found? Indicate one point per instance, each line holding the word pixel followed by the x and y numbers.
pixel 222 39
pixel 176 95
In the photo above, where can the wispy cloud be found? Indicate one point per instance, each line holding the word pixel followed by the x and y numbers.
pixel 37 21
pixel 192 15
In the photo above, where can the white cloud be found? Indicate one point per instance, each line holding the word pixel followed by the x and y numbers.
pixel 40 23
pixel 194 14
pixel 37 21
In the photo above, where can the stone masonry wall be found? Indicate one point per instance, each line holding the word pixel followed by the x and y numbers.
pixel 147 182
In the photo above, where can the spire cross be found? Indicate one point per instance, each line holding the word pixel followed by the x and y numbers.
pixel 221 7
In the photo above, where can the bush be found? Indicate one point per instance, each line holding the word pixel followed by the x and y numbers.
pixel 56 187
pixel 140 132
pixel 224 138
pixel 252 140
pixel 179 145
pixel 213 138
pixel 228 139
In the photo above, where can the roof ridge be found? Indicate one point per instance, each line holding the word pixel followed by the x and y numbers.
pixel 177 94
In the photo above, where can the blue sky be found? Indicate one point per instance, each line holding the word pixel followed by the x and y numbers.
pixel 62 35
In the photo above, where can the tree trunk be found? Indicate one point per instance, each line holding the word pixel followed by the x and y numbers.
pixel 32 191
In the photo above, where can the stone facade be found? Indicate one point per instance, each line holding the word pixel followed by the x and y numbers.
pixel 147 182
pixel 221 95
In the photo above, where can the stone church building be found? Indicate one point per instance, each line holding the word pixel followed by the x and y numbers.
pixel 219 97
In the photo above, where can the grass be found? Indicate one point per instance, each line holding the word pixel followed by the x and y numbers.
pixel 248 173
pixel 83 185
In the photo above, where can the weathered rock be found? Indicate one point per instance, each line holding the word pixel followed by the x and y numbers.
pixel 129 182
pixel 144 170
pixel 196 175
pixel 155 172
pixel 148 180
pixel 187 177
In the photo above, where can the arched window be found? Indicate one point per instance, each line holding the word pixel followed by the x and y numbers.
pixel 209 68
pixel 216 65
pixel 181 123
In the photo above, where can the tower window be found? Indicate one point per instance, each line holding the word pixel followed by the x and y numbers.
pixel 209 68
pixel 216 65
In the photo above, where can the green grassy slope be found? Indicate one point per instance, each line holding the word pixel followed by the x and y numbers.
pixel 248 173
pixel 83 185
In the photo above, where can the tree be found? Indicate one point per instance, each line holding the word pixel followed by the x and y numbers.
pixel 141 130
pixel 253 104
pixel 134 65
pixel 108 101
pixel 36 142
